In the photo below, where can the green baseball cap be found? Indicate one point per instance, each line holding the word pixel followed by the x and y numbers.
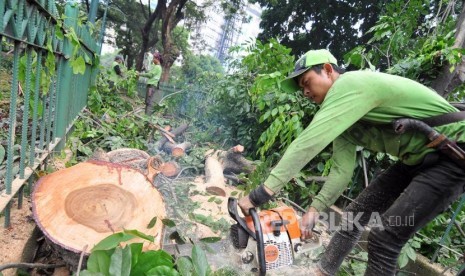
pixel 311 58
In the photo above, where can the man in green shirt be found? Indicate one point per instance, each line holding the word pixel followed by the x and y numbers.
pixel 153 75
pixel 117 70
pixel 357 109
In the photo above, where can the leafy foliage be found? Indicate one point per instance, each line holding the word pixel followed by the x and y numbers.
pixel 109 257
pixel 110 122
pixel 402 47
pixel 303 25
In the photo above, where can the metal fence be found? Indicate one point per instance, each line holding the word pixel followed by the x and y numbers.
pixel 46 96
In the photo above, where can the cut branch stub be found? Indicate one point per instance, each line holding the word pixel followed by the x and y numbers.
pixel 84 204
pixel 170 169
pixel 154 165
pixel 180 149
pixel 177 150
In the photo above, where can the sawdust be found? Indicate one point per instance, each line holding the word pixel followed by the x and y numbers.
pixel 13 239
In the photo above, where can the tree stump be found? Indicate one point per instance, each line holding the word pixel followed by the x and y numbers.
pixel 81 205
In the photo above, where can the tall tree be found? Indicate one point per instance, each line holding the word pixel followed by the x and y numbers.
pixel 451 75
pixel 302 25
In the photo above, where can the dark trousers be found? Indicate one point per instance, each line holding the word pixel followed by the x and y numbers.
pixel 149 99
pixel 407 198
pixel 152 94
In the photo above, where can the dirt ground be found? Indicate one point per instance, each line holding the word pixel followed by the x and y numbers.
pixel 13 239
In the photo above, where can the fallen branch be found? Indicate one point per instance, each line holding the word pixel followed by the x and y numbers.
pixel 29 265
pixel 179 130
pixel 168 137
pixel 165 131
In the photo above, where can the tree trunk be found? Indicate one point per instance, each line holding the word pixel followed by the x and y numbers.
pixel 171 17
pixel 79 206
pixel 447 81
pixel 145 34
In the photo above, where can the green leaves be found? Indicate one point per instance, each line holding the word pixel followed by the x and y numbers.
pixel 120 262
pixel 108 258
pixel 168 222
pixel 152 223
pixel 199 261
pixel 78 65
pixel 185 266
pixel 114 240
pixel 210 239
pixel 99 261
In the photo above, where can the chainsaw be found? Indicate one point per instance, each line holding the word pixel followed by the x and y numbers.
pixel 270 239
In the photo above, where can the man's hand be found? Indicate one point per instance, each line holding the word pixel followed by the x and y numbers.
pixel 309 220
pixel 256 198
pixel 245 204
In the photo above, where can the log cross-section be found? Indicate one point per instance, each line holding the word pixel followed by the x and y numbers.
pixel 84 204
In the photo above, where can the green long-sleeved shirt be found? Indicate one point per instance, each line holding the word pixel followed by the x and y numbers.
pixel 358 110
pixel 153 75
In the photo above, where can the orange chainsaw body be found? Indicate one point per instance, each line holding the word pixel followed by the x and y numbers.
pixel 283 213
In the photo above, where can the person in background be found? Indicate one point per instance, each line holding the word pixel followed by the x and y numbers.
pixel 117 68
pixel 153 76
pixel 357 109
pixel 116 71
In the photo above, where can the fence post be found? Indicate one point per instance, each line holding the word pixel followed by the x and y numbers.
pixel 64 89
pixel 93 11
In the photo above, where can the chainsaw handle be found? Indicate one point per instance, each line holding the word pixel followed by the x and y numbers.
pixel 260 242
pixel 232 210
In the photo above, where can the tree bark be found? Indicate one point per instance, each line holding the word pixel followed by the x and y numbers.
pixel 146 30
pixel 171 17
pixel 77 207
pixel 177 150
pixel 214 178
pixel 219 162
pixel 177 131
pixel 233 161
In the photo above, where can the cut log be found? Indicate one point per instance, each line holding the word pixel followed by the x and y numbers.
pixel 218 163
pixel 177 131
pixel 180 149
pixel 233 161
pixel 84 204
pixel 170 169
pixel 214 179
pixel 177 150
